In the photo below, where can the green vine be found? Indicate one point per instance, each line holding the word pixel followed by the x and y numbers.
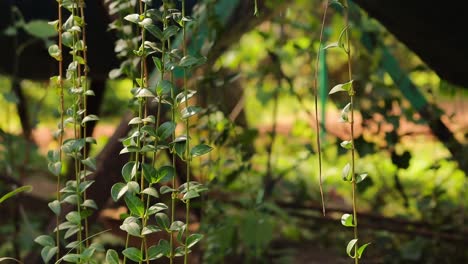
pixel 72 35
pixel 347 115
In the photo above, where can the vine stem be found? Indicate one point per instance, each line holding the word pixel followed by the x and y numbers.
pixel 317 122
pixel 62 111
pixel 187 146
pixel 142 106
pixel 353 150
pixel 173 195
pixel 76 78
pixel 173 114
pixel 85 107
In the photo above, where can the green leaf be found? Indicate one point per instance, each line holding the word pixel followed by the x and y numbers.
pixel 165 130
pixel 129 171
pixel 177 226
pixel 157 208
pixel 133 254
pixel 55 207
pixel 146 22
pixel 71 231
pixel 170 31
pixel 72 258
pixel 150 130
pixel 180 148
pixel 361 249
pixel 189 61
pixel 73 146
pixel 149 172
pixel 347 144
pixel 90 204
pixel 163 87
pixel 90 163
pixel 180 251
pixel 151 192
pixel 361 177
pixel 143 92
pixel 134 18
pixel 350 247
pixel 157 61
pixel 165 173
pixel 200 150
pixel 162 220
pixel 180 98
pixel 162 249
pixel 88 253
pixel 331 45
pixel 190 194
pixel 26 188
pixel 47 253
pixel 40 29
pixel 155 31
pixel 73 217
pixel 344 113
pixel 54 52
pixel 135 121
pixel 45 241
pixel 342 39
pixel 347 220
pixel 135 205
pixel 118 190
pixel 71 199
pixel 345 173
pixel 193 239
pixel 166 189
pixel 132 227
pixel 67 39
pixel 55 168
pixel 133 187
pixel 344 87
pixel 150 229
pixel 190 111
pixel 89 118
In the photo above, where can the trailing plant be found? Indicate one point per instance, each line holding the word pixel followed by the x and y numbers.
pixel 347 115
pixel 150 136
pixel 72 34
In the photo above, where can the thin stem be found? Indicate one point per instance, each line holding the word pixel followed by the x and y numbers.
pixel 173 195
pixel 77 133
pixel 62 111
pixel 317 122
pixel 142 107
pixel 353 151
pixel 85 106
pixel 187 146
pixel 127 239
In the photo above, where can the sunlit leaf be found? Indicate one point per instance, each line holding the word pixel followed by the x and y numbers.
pixel 346 172
pixel 200 150
pixel 347 220
pixel 342 87
pixel 361 249
pixel 193 239
pixel 135 205
pixel 45 240
pixel 350 247
pixel 133 254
